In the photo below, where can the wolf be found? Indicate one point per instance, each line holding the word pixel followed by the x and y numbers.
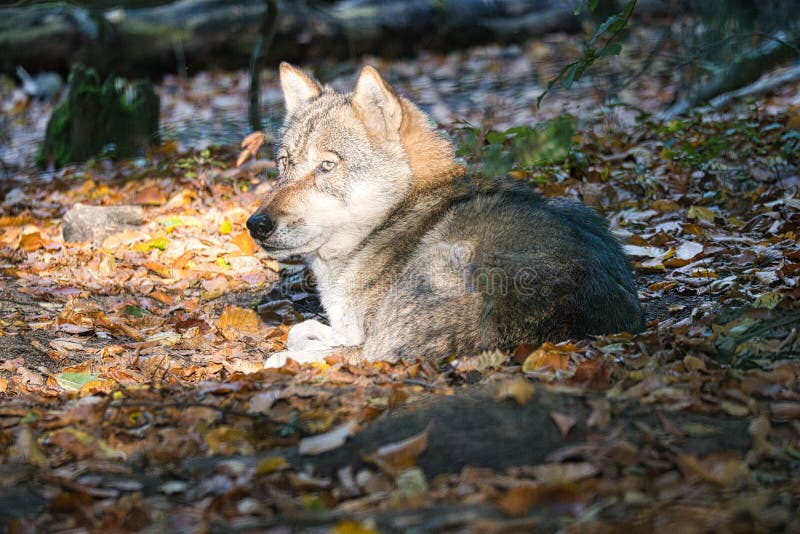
pixel 411 258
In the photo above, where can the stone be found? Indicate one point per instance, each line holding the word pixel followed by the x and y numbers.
pixel 95 223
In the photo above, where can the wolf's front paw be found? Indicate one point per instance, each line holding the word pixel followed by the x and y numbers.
pixel 310 335
pixel 307 356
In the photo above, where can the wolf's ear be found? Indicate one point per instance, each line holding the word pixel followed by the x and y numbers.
pixel 378 104
pixel 298 87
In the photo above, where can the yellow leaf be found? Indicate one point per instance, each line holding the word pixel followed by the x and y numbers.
pixel 227 440
pixel 700 212
pixel 271 464
pixel 160 243
pixel 518 388
pixel 222 263
pixel 353 527
pixel 225 227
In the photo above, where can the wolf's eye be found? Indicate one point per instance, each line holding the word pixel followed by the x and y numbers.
pixel 327 166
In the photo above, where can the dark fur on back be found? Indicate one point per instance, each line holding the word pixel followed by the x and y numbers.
pixel 520 268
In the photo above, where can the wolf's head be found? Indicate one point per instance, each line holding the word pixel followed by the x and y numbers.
pixel 344 162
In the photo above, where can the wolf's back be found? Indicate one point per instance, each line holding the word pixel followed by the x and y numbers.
pixel 533 270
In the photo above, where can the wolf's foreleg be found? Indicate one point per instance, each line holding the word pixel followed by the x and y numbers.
pixel 309 341
pixel 310 335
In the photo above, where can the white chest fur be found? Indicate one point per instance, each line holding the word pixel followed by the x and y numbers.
pixel 338 289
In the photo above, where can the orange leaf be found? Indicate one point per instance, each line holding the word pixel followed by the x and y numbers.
pixel 150 196
pixel 31 242
pixel 245 243
pixel 161 270
pixel 234 320
pixel 518 501
pixel 542 358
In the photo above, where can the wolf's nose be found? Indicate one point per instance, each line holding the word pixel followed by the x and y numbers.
pixel 260 225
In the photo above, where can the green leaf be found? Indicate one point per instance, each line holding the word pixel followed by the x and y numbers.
pixel 171 222
pixel 611 49
pixel 74 381
pixel 136 311
pixel 160 243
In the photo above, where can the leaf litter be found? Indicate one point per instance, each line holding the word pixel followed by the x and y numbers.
pixel 138 358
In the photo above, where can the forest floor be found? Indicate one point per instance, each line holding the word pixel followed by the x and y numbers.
pixel 132 393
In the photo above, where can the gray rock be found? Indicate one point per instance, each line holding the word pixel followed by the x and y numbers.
pixel 95 223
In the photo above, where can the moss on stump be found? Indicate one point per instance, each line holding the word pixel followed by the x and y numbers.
pixel 116 118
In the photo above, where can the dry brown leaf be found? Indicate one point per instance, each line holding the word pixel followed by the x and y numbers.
pixel 485 360
pixel 723 469
pixel 785 410
pixel 250 146
pixel 562 473
pixel 396 457
pixel 563 422
pixel 26 448
pixel 149 196
pixel 518 388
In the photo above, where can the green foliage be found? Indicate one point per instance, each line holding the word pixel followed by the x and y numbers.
pixel 694 143
pixel 520 147
pixel 592 51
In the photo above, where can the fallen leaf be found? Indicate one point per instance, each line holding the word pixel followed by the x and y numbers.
pixel 700 212
pixel 250 146
pixel 519 500
pixel 354 527
pixel 688 250
pixel 30 242
pixel 245 243
pixel 561 473
pixel 518 388
pixel 234 320
pixel 228 440
pixel 328 441
pixel 150 196
pixel 26 448
pixel 542 358
pixel 563 422
pixel 485 360
pixel 74 381
pixel 395 457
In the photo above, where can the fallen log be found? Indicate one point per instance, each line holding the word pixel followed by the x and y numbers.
pixel 199 34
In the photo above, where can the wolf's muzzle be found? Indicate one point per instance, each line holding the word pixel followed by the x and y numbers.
pixel 260 225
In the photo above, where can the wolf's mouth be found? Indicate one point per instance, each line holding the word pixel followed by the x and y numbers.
pixel 283 250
